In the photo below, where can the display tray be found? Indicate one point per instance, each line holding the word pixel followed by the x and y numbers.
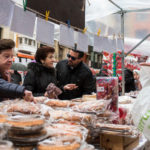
pixel 26 139
pixel 27 130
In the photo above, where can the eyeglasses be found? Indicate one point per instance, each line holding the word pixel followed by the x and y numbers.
pixel 72 57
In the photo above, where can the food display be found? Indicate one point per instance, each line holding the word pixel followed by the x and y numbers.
pixel 107 89
pixel 53 124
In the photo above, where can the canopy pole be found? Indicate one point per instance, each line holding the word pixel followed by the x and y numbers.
pixel 138 44
pixel 122 55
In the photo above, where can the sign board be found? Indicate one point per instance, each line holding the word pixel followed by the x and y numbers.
pixel 62 10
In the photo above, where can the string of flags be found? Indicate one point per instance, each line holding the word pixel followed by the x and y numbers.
pixel 24 21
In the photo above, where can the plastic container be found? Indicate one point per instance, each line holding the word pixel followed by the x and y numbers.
pixel 6 145
pixel 107 89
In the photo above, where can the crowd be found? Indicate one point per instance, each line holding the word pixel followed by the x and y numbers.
pixel 72 75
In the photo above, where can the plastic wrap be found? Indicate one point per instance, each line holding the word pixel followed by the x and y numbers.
pixel 86 146
pixel 3 131
pixel 71 116
pixel 125 100
pixel 60 143
pixel 133 94
pixel 89 97
pixel 63 129
pixel 24 107
pixel 122 130
pixel 96 106
pixel 40 99
pixel 125 113
pixel 59 103
pixel 6 145
pixel 107 88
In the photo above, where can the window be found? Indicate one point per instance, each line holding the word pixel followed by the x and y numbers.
pixel 26 41
pixel 20 40
pixel 33 43
pixel 30 42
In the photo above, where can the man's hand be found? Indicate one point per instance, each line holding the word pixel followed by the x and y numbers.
pixel 28 96
pixel 70 87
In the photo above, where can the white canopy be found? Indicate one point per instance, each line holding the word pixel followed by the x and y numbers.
pixel 102 14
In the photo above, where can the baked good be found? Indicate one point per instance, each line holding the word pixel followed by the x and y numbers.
pixel 95 106
pixel 3 118
pixel 59 143
pixel 25 120
pixel 59 103
pixel 40 99
pixel 70 116
pixel 62 129
pixel 24 107
pixel 89 97
pixel 115 127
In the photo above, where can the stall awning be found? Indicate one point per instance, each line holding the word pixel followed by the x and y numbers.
pixel 22 55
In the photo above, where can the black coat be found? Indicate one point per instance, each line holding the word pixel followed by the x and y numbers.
pixel 81 76
pixel 129 81
pixel 38 78
pixel 10 90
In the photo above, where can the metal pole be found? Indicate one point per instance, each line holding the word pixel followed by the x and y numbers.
pixel 123 55
pixel 138 44
pixel 122 33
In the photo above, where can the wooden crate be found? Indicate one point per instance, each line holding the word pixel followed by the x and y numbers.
pixel 114 142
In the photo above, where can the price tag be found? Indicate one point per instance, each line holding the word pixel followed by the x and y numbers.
pixel 100 89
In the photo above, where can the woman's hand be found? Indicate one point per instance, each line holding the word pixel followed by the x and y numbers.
pixel 28 96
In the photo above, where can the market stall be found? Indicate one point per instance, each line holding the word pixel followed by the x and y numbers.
pixel 101 120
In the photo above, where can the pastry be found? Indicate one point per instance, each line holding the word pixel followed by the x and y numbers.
pixel 25 120
pixel 59 143
pixel 59 103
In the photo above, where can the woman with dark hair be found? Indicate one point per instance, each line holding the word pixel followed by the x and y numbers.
pixel 41 73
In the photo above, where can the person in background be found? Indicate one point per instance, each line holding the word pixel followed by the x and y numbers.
pixel 41 73
pixel 138 85
pixel 7 89
pixel 129 81
pixel 103 72
pixel 16 77
pixel 74 77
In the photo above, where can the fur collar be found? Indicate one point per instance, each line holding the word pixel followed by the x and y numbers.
pixel 37 68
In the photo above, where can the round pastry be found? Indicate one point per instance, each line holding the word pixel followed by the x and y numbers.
pixel 3 118
pixel 59 144
pixel 25 120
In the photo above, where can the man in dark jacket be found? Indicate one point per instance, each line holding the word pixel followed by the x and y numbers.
pixel 74 77
pixel 9 90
